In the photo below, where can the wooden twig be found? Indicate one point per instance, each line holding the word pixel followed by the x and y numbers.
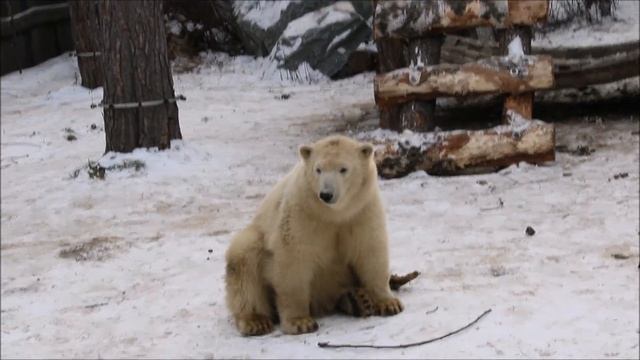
pixel 396 280
pixel 432 311
pixel 402 346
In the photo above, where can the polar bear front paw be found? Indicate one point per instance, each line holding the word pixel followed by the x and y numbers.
pixel 255 325
pixel 299 325
pixel 388 307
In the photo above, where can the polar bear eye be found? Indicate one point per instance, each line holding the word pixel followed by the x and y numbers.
pixel 343 170
pixel 318 171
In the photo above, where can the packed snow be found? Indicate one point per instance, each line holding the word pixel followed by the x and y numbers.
pixel 132 265
pixel 622 27
pixel 515 48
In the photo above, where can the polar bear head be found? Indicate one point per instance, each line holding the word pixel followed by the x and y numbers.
pixel 338 170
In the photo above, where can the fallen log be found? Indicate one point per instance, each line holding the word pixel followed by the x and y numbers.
pixel 615 62
pixel 411 19
pixel 583 72
pixel 477 49
pixel 463 152
pixel 512 75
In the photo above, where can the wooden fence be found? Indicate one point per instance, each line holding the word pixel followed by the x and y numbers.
pixel 33 31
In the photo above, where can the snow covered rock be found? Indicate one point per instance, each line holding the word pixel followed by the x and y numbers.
pixel 262 22
pixel 324 38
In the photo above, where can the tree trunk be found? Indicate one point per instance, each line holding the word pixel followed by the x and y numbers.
pixel 84 27
pixel 523 103
pixel 136 69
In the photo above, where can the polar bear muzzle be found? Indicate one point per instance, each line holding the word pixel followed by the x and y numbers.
pixel 328 189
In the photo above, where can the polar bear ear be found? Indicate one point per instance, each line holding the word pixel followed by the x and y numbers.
pixel 366 150
pixel 305 151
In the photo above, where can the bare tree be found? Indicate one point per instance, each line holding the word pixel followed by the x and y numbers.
pixel 139 100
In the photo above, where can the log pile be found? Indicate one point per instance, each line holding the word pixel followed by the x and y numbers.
pixel 406 93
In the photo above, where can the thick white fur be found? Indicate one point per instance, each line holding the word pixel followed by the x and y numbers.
pixel 300 254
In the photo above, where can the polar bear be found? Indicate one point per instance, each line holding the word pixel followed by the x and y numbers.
pixel 318 239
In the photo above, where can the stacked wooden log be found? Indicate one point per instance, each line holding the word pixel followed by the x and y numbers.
pixel 465 152
pixel 406 90
pixel 573 67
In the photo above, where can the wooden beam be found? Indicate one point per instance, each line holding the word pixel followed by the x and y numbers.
pixel 390 57
pixel 464 152
pixel 520 103
pixel 572 67
pixel 418 114
pixel 487 76
pixel 411 19
pixel 477 49
pixel 595 51
pixel 583 72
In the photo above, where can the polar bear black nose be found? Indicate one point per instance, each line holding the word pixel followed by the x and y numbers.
pixel 326 196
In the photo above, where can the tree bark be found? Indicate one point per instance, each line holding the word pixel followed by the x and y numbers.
pixel 522 103
pixel 84 27
pixel 487 76
pixel 136 68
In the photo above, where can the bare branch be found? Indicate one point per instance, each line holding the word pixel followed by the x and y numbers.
pixel 402 346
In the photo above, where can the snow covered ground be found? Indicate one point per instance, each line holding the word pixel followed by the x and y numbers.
pixel 622 27
pixel 132 265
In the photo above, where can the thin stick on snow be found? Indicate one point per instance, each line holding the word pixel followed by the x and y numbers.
pixel 402 346
pixel 432 311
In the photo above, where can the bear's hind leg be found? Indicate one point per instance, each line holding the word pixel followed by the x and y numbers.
pixel 356 302
pixel 248 295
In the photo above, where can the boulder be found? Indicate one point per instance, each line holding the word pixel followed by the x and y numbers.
pixel 324 38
